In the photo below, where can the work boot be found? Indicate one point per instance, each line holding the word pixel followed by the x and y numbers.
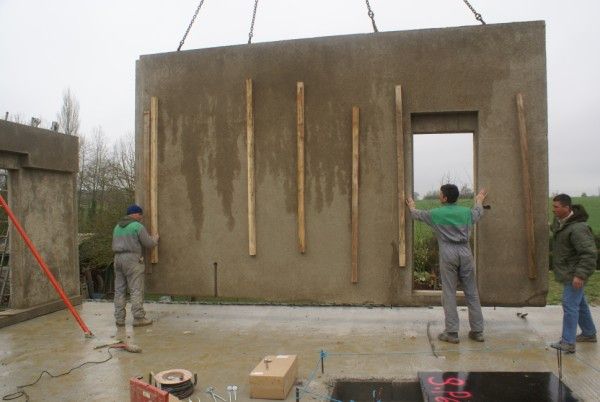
pixel 141 322
pixel 476 336
pixel 586 338
pixel 450 337
pixel 120 323
pixel 563 346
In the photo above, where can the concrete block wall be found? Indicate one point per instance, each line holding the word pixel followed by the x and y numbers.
pixel 462 78
pixel 42 167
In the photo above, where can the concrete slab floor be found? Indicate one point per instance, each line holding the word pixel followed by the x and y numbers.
pixel 223 343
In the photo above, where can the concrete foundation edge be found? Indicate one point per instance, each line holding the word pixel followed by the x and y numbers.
pixel 33 312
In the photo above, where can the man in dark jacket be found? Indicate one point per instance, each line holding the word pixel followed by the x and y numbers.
pixel 573 261
pixel 129 237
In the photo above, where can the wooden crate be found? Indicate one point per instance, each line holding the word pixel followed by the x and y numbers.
pixel 273 380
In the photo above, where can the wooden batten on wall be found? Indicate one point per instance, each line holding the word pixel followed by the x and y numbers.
pixel 355 178
pixel 250 158
pixel 300 165
pixel 146 170
pixel 526 183
pixel 401 179
pixel 154 174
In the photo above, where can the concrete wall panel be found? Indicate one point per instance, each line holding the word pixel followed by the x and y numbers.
pixel 42 178
pixel 202 199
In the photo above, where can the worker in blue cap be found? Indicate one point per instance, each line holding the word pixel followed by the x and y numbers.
pixel 130 237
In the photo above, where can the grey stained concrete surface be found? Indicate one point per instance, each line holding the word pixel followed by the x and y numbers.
pixel 42 176
pixel 223 343
pixel 461 79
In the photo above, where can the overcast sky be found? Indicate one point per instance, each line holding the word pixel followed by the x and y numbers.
pixel 91 47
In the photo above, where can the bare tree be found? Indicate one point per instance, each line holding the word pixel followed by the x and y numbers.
pixel 68 118
pixel 84 152
pixel 124 165
pixel 95 173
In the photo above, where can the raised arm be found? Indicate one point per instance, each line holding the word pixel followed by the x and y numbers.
pixel 418 214
pixel 477 210
pixel 147 240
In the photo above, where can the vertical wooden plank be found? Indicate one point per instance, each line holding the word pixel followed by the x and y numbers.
pixel 401 184
pixel 300 166
pixel 355 177
pixel 250 156
pixel 154 174
pixel 527 196
pixel 146 169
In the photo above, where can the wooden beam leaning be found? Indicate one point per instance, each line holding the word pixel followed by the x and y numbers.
pixel 355 177
pixel 154 174
pixel 250 157
pixel 300 166
pixel 527 196
pixel 146 168
pixel 401 183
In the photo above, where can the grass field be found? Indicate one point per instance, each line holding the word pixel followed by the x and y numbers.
pixel 591 205
pixel 592 290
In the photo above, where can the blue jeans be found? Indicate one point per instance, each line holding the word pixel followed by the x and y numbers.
pixel 575 311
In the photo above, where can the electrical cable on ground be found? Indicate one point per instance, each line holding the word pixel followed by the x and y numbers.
pixel 181 390
pixel 20 388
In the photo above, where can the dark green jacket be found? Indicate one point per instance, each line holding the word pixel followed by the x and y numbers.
pixel 573 248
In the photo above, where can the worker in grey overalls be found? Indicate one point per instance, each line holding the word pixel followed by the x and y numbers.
pixel 129 239
pixel 452 226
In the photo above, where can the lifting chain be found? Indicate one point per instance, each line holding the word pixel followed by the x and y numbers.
pixel 478 16
pixel 190 26
pixel 251 34
pixel 372 16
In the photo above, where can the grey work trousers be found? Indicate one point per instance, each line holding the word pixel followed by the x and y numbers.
pixel 129 273
pixel 456 263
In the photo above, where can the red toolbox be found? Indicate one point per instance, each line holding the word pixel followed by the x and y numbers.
pixel 139 391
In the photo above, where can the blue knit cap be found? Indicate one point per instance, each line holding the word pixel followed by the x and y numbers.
pixel 134 209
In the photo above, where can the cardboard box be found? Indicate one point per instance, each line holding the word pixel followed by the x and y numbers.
pixel 273 377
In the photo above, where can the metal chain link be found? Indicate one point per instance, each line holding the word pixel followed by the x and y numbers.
pixel 478 16
pixel 251 34
pixel 190 26
pixel 372 16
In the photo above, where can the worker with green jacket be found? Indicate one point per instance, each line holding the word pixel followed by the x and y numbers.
pixel 129 239
pixel 452 226
pixel 574 256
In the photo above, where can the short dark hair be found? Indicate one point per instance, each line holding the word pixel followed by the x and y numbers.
pixel 564 200
pixel 450 191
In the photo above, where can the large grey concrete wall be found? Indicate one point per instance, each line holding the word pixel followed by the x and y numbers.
pixel 43 169
pixel 202 193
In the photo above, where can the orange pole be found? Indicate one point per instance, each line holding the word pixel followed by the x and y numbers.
pixel 45 268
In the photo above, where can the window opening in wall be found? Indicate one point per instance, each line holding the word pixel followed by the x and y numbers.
pixel 437 159
pixel 4 244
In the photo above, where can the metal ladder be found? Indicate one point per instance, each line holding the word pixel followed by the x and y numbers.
pixel 4 268
pixel 4 243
